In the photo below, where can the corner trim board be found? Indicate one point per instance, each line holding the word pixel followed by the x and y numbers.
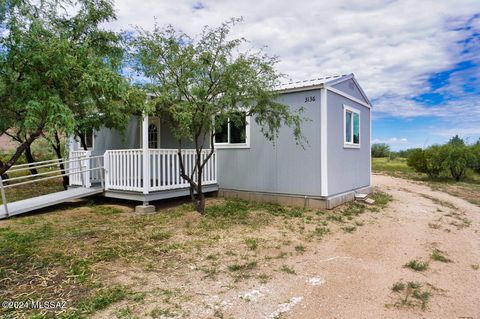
pixel 323 142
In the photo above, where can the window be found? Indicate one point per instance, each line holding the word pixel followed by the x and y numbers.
pixel 233 132
pixel 351 118
pixel 153 133
pixel 152 136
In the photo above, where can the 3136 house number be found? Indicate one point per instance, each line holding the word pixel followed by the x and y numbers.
pixel 309 99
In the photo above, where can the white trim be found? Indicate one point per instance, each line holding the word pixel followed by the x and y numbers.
pixel 236 145
pixel 351 144
pixel 323 142
pixel 362 92
pixel 370 147
pixel 151 120
pixel 146 155
pixel 348 96
pixel 155 120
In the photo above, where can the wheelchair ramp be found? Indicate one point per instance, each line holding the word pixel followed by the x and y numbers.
pixel 31 204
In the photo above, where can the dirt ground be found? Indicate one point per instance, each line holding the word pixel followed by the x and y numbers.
pixel 345 275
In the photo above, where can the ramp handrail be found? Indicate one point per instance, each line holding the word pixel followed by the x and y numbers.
pixel 15 168
pixel 63 172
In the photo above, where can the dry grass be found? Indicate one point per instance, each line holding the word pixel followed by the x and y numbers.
pixel 69 254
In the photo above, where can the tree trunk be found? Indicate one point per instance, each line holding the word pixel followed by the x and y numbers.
pixel 5 175
pixel 19 151
pixel 200 199
pixel 30 160
pixel 57 147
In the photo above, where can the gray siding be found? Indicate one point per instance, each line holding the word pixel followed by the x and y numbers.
pixel 283 168
pixel 107 139
pixel 348 168
pixel 167 139
pixel 350 88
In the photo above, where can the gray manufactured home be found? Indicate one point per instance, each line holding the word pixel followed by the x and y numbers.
pixel 330 169
pixel 141 162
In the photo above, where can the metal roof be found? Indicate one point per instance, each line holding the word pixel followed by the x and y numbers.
pixel 313 82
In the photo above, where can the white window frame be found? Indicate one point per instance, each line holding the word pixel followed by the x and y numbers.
pixel 236 145
pixel 351 144
pixel 156 121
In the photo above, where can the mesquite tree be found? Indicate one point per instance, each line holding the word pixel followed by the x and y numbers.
pixel 200 83
pixel 59 69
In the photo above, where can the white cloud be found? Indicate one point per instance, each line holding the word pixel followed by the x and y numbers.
pixel 391 46
pixel 391 141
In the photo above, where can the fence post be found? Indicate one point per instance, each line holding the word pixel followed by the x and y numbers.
pixel 215 161
pixel 80 171
pixel 146 156
pixel 88 182
pixel 4 198
pixel 100 171
pixel 106 168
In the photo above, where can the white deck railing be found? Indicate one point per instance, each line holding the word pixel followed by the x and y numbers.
pixel 79 159
pixel 83 160
pixel 124 169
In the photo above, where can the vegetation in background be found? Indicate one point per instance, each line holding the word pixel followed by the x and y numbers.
pixel 454 158
pixel 198 79
pixel 380 150
pixel 452 167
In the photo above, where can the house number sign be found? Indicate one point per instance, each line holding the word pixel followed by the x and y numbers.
pixel 309 99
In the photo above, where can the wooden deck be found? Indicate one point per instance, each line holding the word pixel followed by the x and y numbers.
pixel 31 204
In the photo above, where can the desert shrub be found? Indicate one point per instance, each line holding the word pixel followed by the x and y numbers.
pixel 454 158
pixel 434 159
pixel 417 161
pixel 380 150
pixel 428 161
pixel 457 158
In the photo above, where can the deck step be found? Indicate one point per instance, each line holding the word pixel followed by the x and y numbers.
pixel 361 197
pixel 30 204
pixel 364 198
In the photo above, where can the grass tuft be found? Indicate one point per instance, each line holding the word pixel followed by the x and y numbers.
pixel 417 265
pixel 438 255
pixel 104 298
pixel 349 229
pixel 300 249
pixel 251 243
pixel 288 270
pixel 411 295
pixel 398 286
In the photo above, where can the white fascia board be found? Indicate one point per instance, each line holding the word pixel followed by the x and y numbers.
pixel 300 89
pixel 361 91
pixel 348 96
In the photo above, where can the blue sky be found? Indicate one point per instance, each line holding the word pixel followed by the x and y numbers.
pixel 418 61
